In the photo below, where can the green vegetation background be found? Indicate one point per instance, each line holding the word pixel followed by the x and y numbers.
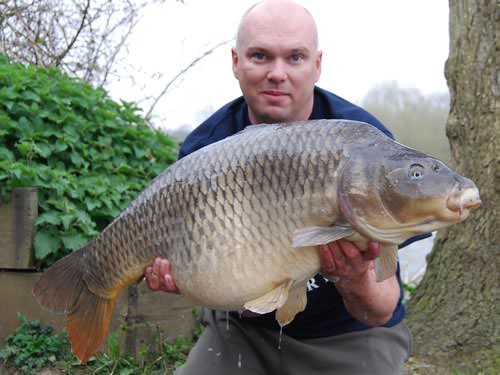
pixel 88 155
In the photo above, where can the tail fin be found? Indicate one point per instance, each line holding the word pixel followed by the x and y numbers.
pixel 88 323
pixel 60 286
pixel 62 289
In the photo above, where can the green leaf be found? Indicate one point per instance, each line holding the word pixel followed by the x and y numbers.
pixel 45 244
pixel 52 218
pixel 76 159
pixel 74 241
pixel 139 152
pixel 6 154
pixel 66 221
pixel 43 150
pixel 91 204
pixel 104 141
pixel 30 95
pixel 25 148
pixel 59 146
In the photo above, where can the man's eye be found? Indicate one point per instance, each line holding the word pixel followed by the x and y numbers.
pixel 259 56
pixel 296 57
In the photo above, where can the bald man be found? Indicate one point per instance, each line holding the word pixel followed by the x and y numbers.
pixel 351 324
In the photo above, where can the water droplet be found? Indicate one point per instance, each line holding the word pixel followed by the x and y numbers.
pixel 227 320
pixel 239 360
pixel 280 338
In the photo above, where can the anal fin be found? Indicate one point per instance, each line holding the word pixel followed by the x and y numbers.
pixel 296 302
pixel 386 263
pixel 270 301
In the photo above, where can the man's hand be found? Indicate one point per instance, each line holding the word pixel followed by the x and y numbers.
pixel 342 260
pixel 159 276
pixel 367 300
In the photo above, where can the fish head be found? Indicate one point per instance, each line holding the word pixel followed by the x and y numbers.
pixel 392 196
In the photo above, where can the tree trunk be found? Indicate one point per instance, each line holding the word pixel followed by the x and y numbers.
pixel 454 314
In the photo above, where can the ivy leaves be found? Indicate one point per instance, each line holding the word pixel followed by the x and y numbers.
pixel 88 155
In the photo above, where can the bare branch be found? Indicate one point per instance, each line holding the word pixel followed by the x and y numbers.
pixel 63 54
pixel 82 37
pixel 181 73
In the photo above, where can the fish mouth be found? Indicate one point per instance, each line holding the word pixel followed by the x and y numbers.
pixel 462 201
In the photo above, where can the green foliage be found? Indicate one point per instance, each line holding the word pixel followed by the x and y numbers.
pixel 409 290
pixel 33 347
pixel 113 361
pixel 176 353
pixel 88 155
pixel 171 355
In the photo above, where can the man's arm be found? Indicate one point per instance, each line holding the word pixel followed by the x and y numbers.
pixel 353 271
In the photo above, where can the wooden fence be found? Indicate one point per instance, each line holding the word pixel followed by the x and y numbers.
pixel 148 317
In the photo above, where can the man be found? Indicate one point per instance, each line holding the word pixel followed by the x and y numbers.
pixel 352 324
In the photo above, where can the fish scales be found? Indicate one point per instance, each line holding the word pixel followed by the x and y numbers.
pixel 226 217
pixel 256 206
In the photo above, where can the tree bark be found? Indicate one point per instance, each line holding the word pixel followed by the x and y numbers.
pixel 455 313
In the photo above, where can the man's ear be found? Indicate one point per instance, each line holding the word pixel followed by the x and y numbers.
pixel 235 59
pixel 319 59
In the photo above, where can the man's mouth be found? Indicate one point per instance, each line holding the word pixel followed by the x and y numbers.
pixel 274 93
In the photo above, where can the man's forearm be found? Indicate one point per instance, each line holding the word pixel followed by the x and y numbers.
pixel 368 301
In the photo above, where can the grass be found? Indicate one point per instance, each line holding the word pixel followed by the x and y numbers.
pixel 34 347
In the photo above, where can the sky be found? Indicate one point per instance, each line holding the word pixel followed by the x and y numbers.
pixel 364 43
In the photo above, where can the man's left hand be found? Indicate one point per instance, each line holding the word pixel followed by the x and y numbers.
pixel 342 260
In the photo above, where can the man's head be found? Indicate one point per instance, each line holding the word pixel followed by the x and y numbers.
pixel 276 61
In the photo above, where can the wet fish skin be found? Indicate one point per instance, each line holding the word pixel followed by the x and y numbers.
pixel 225 217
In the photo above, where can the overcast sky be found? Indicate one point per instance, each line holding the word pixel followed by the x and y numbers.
pixel 364 43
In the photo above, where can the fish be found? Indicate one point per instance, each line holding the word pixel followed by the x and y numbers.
pixel 241 221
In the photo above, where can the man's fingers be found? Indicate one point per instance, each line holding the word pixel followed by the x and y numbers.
pixel 156 266
pixel 326 261
pixel 170 284
pixel 164 267
pixel 338 255
pixel 152 279
pixel 156 275
pixel 353 258
pixel 373 250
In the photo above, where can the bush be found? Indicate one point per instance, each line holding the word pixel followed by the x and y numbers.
pixel 34 346
pixel 88 155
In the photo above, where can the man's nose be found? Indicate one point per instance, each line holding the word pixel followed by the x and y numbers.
pixel 278 72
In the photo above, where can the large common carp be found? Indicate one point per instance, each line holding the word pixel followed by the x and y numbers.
pixel 240 221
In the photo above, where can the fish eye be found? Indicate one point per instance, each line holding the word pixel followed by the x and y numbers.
pixel 416 172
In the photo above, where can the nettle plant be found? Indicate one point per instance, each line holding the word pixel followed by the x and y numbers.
pixel 88 155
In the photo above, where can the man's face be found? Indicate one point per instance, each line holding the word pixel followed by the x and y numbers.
pixel 277 65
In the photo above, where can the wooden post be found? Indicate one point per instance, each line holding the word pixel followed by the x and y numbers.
pixel 17 229
pixel 154 317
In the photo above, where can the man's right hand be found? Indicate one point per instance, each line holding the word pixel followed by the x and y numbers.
pixel 159 276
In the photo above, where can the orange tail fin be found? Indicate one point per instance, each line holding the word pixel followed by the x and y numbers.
pixel 88 324
pixel 62 288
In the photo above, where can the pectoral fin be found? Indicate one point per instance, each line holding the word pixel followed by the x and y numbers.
pixel 296 302
pixel 271 300
pixel 387 262
pixel 312 236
